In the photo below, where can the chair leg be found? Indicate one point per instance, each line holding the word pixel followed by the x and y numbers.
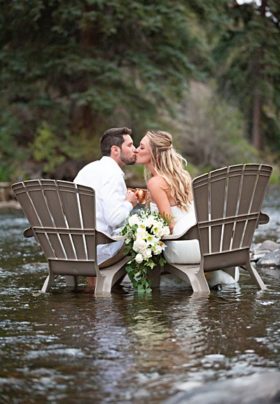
pixel 48 283
pixel 154 277
pixel 192 273
pixel 119 281
pixel 255 275
pixel 198 281
pixel 107 278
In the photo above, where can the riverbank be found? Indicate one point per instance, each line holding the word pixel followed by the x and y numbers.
pixel 7 198
pixel 12 204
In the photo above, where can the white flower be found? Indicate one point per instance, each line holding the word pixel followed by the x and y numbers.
pixel 139 245
pixel 152 240
pixel 139 258
pixel 141 232
pixel 147 253
pixel 165 231
pixel 157 229
pixel 133 219
pixel 158 248
pixel 149 221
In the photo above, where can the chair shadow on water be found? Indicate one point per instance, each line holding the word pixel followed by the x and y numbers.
pixel 227 202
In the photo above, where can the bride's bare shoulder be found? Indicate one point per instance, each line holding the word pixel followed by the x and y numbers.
pixel 156 182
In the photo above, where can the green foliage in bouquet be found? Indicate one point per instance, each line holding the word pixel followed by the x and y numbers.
pixel 143 243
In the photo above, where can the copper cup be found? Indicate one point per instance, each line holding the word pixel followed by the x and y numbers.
pixel 141 195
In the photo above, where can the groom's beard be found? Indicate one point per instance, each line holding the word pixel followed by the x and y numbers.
pixel 128 160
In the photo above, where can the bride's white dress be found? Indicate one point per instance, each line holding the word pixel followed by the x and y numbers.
pixel 188 251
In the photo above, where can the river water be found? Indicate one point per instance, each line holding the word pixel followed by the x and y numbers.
pixel 70 347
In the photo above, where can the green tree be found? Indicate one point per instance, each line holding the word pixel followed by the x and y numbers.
pixel 248 56
pixel 82 66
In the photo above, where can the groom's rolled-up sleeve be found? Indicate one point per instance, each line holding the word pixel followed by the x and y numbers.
pixel 116 208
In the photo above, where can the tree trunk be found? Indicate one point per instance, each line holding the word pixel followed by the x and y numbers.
pixel 256 128
pixel 257 138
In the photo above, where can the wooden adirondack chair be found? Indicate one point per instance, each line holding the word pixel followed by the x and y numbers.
pixel 228 209
pixel 62 219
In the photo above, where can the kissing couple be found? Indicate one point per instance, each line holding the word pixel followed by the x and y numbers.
pixel 168 182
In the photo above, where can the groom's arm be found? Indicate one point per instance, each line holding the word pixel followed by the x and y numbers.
pixel 116 208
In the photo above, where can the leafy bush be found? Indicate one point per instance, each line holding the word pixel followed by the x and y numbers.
pixel 212 130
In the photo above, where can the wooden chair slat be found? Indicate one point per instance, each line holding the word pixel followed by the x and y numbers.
pixel 238 234
pixel 202 209
pixel 227 236
pixel 28 208
pixel 217 198
pixel 54 203
pixel 45 245
pixel 232 195
pixel 88 212
pixel 80 246
pixel 70 208
pixel 39 201
pixel 91 247
pixel 68 246
pixel 260 191
pixel 216 233
pixel 247 236
pixel 247 192
pixel 57 245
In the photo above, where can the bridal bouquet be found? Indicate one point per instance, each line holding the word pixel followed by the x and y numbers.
pixel 143 233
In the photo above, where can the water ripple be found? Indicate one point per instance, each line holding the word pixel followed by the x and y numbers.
pixel 65 346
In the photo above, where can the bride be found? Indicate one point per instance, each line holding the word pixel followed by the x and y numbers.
pixel 170 188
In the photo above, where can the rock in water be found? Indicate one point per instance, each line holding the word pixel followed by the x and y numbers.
pixel 260 250
pixel 259 388
pixel 271 259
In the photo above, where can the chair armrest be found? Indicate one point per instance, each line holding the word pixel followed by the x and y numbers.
pixel 190 234
pixel 103 238
pixel 171 237
pixel 117 238
pixel 263 218
pixel 28 232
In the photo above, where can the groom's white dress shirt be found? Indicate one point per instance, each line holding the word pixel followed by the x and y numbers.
pixel 107 179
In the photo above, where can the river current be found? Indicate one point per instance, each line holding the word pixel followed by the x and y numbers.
pixel 73 347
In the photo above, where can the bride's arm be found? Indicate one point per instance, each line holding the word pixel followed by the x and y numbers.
pixel 157 188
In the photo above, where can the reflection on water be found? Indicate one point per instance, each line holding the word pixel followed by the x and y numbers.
pixel 68 346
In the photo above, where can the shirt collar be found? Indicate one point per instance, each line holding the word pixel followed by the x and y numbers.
pixel 112 164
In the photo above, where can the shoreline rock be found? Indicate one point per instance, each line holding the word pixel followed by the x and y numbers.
pixel 262 387
pixel 12 204
pixel 266 254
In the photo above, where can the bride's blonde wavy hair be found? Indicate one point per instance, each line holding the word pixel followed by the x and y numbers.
pixel 170 165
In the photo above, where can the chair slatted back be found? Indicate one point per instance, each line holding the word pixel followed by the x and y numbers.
pixel 228 203
pixel 62 215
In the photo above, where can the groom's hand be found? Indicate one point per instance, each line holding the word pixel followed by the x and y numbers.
pixel 131 197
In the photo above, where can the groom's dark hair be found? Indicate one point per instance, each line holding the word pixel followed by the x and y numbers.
pixel 113 137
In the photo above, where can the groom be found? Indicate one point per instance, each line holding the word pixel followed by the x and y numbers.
pixel 113 201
